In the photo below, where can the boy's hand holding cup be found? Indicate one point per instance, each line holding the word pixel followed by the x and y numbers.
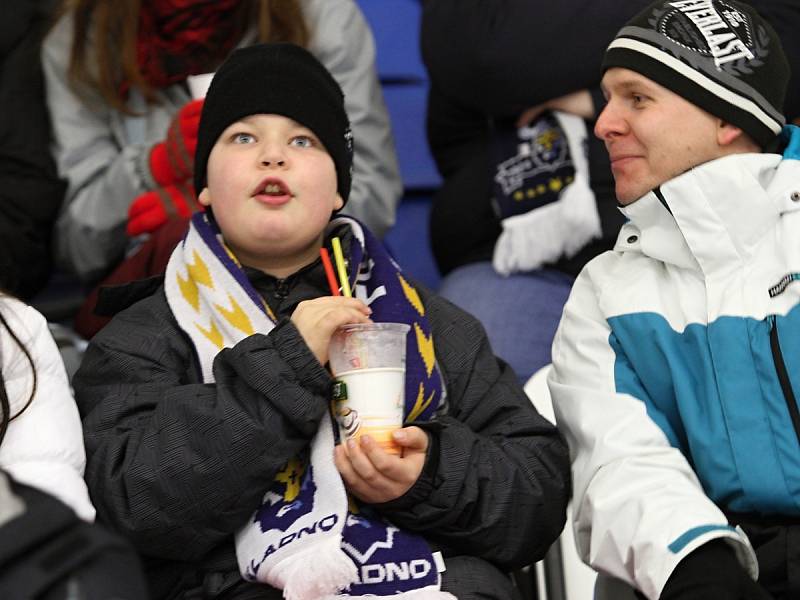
pixel 318 319
pixel 375 476
pixel 368 363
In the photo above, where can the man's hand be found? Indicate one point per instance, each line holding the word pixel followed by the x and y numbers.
pixel 374 476
pixel 318 319
pixel 577 103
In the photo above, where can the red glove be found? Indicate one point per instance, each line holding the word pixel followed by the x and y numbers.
pixel 172 160
pixel 152 209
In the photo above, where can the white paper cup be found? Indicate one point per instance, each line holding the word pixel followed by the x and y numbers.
pixel 198 84
pixel 368 361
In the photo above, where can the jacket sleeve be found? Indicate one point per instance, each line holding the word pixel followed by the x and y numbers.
pixel 43 446
pixel 103 178
pixel 179 466
pixel 343 42
pixel 496 480
pixel 638 506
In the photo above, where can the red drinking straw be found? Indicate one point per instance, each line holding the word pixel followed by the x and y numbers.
pixel 326 262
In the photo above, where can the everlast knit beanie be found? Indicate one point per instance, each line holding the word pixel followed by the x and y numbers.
pixel 281 79
pixel 720 55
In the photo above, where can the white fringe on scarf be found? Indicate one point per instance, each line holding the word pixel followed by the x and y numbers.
pixel 559 229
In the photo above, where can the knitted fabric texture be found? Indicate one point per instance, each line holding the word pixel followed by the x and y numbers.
pixel 306 538
pixel 720 55
pixel 178 38
pixel 280 79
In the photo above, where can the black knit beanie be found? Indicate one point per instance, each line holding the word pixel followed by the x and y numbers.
pixel 720 55
pixel 280 79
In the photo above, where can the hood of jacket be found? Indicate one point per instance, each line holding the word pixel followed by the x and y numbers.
pixel 713 216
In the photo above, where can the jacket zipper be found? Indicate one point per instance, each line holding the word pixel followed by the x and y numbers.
pixel 783 375
pixel 281 288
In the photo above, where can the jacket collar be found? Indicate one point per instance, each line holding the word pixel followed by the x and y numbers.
pixel 712 217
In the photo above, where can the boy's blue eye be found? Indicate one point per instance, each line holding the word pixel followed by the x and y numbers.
pixel 243 138
pixel 302 141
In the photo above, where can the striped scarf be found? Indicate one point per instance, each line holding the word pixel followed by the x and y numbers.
pixel 308 538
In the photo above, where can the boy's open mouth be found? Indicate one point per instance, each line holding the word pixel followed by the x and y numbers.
pixel 273 189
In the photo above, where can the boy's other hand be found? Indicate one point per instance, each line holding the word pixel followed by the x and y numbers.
pixel 374 476
pixel 317 319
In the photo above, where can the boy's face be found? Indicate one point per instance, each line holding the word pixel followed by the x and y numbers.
pixel 652 134
pixel 272 186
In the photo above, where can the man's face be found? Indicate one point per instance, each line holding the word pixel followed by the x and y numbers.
pixel 652 135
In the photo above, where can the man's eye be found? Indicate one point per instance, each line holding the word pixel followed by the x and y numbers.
pixel 243 138
pixel 637 98
pixel 302 141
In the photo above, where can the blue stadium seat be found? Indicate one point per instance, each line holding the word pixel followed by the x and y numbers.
pixel 406 104
pixel 409 242
pixel 395 25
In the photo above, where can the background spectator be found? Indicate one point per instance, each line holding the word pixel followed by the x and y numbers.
pixel 30 191
pixel 113 95
pixel 41 441
pixel 495 67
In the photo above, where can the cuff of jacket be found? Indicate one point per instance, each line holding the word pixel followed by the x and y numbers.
pixel 293 349
pixel 141 164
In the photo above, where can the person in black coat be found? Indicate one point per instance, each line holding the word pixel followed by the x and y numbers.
pixel 30 190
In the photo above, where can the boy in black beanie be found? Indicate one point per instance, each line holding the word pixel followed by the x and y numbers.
pixel 206 403
pixel 675 360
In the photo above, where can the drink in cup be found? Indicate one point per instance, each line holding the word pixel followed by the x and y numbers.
pixel 368 361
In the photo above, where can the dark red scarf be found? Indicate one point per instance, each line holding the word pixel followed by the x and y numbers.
pixel 178 38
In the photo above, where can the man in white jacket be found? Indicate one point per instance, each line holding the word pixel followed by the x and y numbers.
pixel 677 358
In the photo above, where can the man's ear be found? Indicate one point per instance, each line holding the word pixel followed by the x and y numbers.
pixel 204 198
pixel 338 203
pixel 727 134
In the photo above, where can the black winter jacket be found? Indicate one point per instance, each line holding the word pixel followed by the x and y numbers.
pixel 178 466
pixel 30 190
pixel 490 60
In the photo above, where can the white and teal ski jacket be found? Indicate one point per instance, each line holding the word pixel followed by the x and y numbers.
pixel 676 368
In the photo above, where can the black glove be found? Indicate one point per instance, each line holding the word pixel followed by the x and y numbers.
pixel 712 571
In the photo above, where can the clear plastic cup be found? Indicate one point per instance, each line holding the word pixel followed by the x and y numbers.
pixel 368 361
pixel 198 84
